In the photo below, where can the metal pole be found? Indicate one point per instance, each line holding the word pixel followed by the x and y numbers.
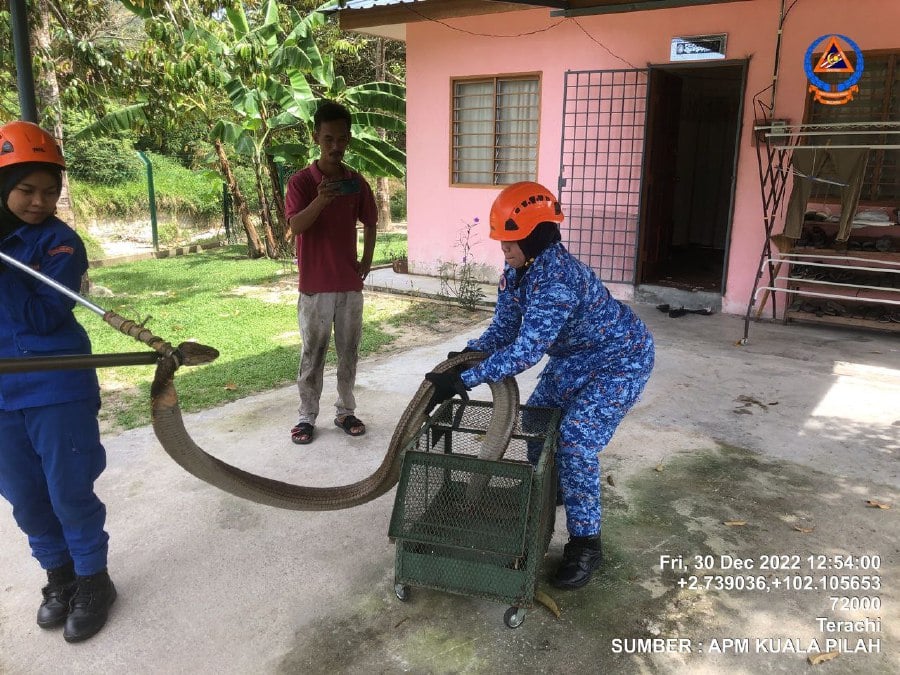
pixel 151 193
pixel 77 362
pixel 18 16
pixel 226 211
pixel 53 283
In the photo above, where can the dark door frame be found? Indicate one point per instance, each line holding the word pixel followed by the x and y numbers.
pixel 744 65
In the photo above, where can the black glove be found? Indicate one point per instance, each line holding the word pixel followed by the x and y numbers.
pixel 446 385
pixel 465 350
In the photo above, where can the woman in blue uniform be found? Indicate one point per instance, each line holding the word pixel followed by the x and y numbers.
pixel 601 355
pixel 50 452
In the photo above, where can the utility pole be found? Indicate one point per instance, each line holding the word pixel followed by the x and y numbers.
pixel 18 15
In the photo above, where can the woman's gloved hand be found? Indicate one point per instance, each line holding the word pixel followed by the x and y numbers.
pixel 446 386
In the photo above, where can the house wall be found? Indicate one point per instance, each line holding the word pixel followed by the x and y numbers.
pixel 436 53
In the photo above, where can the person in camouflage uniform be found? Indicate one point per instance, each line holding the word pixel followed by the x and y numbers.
pixel 600 356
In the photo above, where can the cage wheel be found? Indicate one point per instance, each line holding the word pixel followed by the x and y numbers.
pixel 514 617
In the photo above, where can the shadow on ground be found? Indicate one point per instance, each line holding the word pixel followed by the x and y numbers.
pixel 678 508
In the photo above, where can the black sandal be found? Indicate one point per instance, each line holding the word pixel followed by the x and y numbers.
pixel 302 433
pixel 348 423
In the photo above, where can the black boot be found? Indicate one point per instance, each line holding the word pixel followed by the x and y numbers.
pixel 90 607
pixel 581 556
pixel 57 593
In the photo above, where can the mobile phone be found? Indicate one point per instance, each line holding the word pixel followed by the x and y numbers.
pixel 347 186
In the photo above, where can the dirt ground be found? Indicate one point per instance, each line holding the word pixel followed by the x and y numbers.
pixel 750 526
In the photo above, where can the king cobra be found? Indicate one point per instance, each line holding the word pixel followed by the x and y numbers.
pixel 169 428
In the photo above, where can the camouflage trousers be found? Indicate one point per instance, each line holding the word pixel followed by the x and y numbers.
pixel 593 401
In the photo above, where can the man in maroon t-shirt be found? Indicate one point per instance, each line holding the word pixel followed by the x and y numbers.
pixel 324 202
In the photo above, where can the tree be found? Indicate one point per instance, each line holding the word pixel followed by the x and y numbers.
pixel 250 73
pixel 184 80
pixel 67 46
pixel 275 84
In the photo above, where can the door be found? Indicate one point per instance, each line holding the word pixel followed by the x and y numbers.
pixel 693 129
pixel 661 157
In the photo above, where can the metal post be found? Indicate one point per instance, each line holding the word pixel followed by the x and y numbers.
pixel 77 362
pixel 151 194
pixel 24 72
pixel 226 211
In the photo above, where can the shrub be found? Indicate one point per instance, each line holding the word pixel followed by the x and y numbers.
pixel 398 203
pixel 178 190
pixel 102 161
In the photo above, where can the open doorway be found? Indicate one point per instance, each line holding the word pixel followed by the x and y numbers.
pixel 693 126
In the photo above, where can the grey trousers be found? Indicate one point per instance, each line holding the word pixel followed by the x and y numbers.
pixel 317 312
pixel 849 166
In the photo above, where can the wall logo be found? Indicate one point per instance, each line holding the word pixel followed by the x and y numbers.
pixel 833 60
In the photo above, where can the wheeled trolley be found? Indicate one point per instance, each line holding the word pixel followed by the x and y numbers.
pixel 472 525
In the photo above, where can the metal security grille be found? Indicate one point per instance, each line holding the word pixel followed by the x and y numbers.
pixel 604 119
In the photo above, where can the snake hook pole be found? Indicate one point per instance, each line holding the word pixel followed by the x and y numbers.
pixel 53 283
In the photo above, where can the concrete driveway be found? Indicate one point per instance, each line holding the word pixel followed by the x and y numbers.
pixel 792 439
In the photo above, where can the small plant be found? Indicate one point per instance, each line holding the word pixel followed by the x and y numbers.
pixel 458 280
pixel 399 260
pixel 168 233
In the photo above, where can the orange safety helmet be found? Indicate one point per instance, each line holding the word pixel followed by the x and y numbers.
pixel 22 142
pixel 519 208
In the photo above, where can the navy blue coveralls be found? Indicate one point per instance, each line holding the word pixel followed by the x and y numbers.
pixel 601 355
pixel 50 450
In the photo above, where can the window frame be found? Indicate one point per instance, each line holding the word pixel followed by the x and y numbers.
pixel 495 79
pixel 876 157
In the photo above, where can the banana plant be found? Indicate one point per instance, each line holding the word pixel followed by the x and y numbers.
pixel 176 76
pixel 274 79
pixel 275 86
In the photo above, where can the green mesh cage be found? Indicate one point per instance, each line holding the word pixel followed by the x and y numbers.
pixel 474 526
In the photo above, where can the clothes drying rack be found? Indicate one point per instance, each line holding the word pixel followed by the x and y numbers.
pixel 775 148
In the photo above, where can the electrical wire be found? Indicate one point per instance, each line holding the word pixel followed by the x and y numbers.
pixel 611 53
pixel 491 35
pixel 527 33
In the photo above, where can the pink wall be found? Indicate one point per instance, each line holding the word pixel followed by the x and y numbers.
pixel 436 53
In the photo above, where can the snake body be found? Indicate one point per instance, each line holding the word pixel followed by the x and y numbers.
pixel 175 440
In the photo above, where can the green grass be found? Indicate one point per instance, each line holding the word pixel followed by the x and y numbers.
pixel 388 245
pixel 244 308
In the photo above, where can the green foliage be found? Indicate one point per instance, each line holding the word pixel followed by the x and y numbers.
pixel 168 233
pixel 102 160
pixel 398 204
pixel 187 142
pixel 388 246
pixel 196 193
pixel 259 66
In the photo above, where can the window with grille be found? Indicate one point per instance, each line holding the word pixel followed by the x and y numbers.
pixel 878 100
pixel 495 130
